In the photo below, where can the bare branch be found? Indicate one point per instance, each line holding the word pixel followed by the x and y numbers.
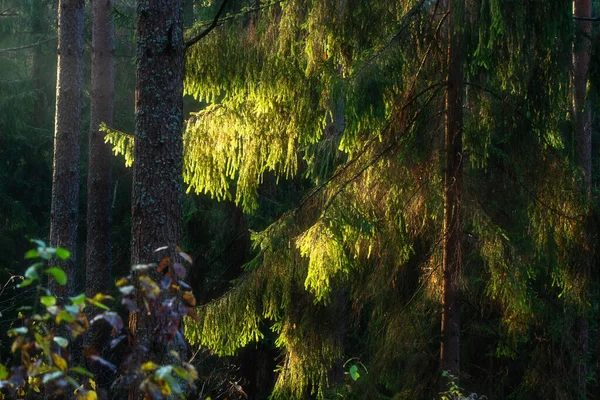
pixel 596 19
pixel 217 21
pixel 212 26
pixel 27 46
pixel 9 12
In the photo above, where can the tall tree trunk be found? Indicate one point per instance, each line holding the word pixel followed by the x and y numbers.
pixel 583 127
pixel 39 27
pixel 98 265
pixel 67 131
pixel 452 259
pixel 157 169
pixel 99 175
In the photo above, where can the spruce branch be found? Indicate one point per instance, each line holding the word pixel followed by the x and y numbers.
pixel 216 21
pixel 206 31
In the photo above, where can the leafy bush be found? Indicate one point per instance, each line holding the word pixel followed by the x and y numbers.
pixel 45 345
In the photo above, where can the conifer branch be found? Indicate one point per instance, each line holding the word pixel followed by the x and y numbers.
pixel 595 19
pixel 212 26
pixel 8 13
pixel 405 20
pixel 383 152
pixel 27 46
pixel 217 21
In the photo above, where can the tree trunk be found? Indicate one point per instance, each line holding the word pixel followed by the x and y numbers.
pixel 98 265
pixel 583 127
pixel 67 132
pixel 452 258
pixel 99 173
pixel 39 27
pixel 157 169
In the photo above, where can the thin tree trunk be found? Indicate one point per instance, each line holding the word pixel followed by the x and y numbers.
pixel 452 259
pixel 39 28
pixel 157 169
pixel 99 175
pixel 98 265
pixel 583 126
pixel 67 131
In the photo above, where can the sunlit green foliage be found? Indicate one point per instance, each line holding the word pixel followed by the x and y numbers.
pixel 350 95
pixel 123 143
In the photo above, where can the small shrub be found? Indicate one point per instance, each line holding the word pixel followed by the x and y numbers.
pixel 43 340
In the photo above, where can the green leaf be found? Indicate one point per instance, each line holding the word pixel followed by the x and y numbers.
pixel 25 283
pixel 63 254
pixel 48 301
pixel 51 376
pixel 64 316
pixel 78 300
pixel 164 371
pixel 354 372
pixel 32 272
pixel 61 341
pixel 32 254
pixel 3 372
pixel 97 304
pixel 126 290
pixel 58 274
pixel 72 309
pixel 82 371
pixel 181 372
pixel 19 331
pixel 38 242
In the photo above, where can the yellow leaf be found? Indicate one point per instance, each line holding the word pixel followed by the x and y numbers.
pixel 165 388
pixel 33 383
pixel 60 362
pixel 122 282
pixel 92 383
pixel 87 395
pixel 189 297
pixel 101 297
pixel 149 366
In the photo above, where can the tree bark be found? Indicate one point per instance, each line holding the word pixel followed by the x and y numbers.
pixel 67 132
pixel 99 170
pixel 157 169
pixel 39 27
pixel 452 257
pixel 583 128
pixel 99 212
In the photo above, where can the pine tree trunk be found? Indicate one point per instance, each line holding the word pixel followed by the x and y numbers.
pixel 157 169
pixel 98 265
pixel 452 259
pixel 99 172
pixel 39 28
pixel 67 131
pixel 583 126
